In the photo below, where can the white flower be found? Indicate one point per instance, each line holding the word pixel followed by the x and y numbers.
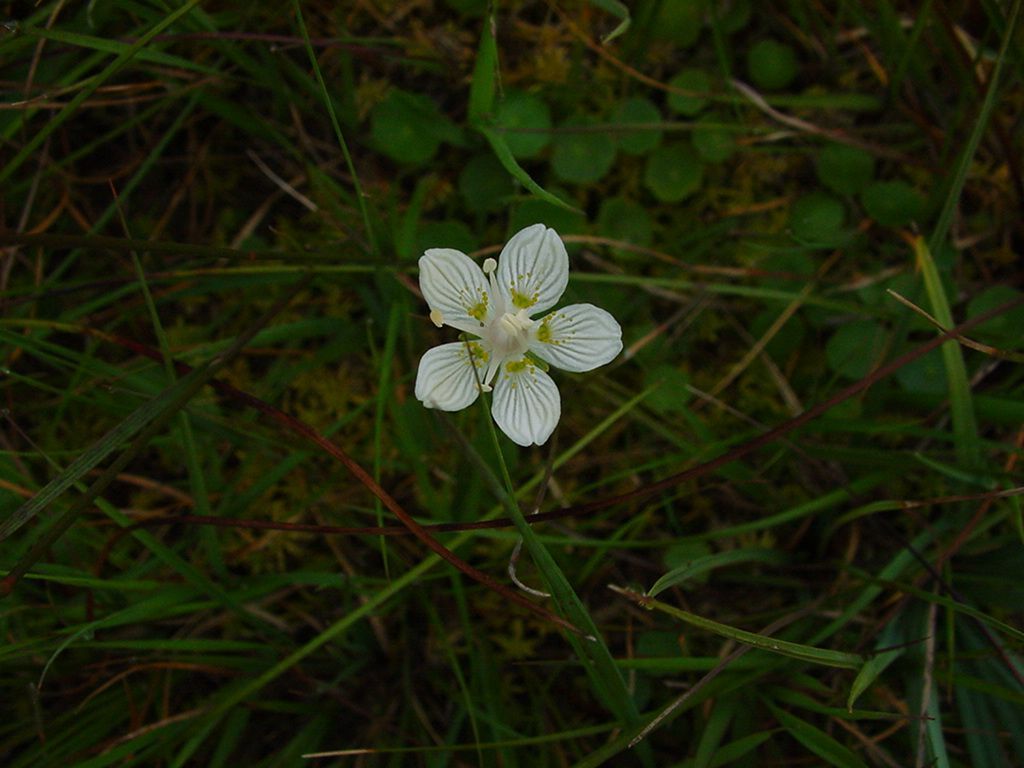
pixel 497 309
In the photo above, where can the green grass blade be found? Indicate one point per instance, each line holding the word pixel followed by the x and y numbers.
pixel 816 740
pixel 799 651
pixel 122 59
pixel 702 565
pixel 965 425
pixel 371 235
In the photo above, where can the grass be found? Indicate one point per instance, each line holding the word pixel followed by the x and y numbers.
pixel 784 527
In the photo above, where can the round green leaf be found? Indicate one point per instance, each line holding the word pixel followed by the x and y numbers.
pixel 626 220
pixel 525 122
pixel 670 394
pixel 876 293
pixel 484 184
pixel 924 376
pixel 534 211
pixel 678 22
pixel 697 82
pixel 732 17
pixel 843 169
pixel 713 142
pixel 582 156
pixel 817 219
pixel 855 348
pixel 446 234
pixel 892 203
pixel 403 127
pixel 1004 328
pixel 788 270
pixel 771 65
pixel 673 172
pixel 637 111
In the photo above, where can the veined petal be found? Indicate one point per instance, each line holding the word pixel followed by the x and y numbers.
pixel 533 270
pixel 447 376
pixel 526 405
pixel 455 288
pixel 578 338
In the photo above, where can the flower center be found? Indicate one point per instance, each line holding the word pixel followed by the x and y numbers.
pixel 508 335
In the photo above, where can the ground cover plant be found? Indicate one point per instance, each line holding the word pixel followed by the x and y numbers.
pixel 780 527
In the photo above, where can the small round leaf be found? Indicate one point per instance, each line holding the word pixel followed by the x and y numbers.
pixel 892 203
pixel 526 123
pixel 855 348
pixel 771 65
pixel 484 183
pixel 404 127
pixel 637 111
pixel 697 84
pixel 582 155
pixel 843 169
pixel 673 172
pixel 678 22
pixel 626 220
pixel 713 142
pixel 817 219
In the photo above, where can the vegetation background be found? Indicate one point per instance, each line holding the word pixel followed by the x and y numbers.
pixel 804 495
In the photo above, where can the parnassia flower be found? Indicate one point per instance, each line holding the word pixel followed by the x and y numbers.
pixel 496 306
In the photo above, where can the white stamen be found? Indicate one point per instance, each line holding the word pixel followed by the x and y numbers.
pixel 436 317
pixel 489 265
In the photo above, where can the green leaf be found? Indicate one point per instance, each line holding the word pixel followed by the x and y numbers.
pixel 678 22
pixel 892 635
pixel 844 169
pixel 622 219
pixel 484 184
pixel 580 153
pixel 697 84
pixel 702 565
pixel 485 74
pixel 405 127
pixel 712 141
pixel 1005 328
pixel 892 203
pixel 807 653
pixel 505 157
pixel 559 218
pixel 855 348
pixel 673 173
pixel 619 11
pixel 772 65
pixel 816 740
pixel 525 122
pixel 168 400
pixel 965 425
pixel 818 220
pixel 643 114
pixel 55 122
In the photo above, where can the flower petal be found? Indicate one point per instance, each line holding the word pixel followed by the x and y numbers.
pixel 533 269
pixel 578 338
pixel 526 405
pixel 455 287
pixel 446 378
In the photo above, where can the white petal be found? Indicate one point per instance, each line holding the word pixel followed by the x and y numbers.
pixel 533 269
pixel 579 337
pixel 454 287
pixel 446 379
pixel 526 404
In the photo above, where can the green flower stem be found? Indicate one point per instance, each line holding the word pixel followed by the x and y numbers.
pixel 590 647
